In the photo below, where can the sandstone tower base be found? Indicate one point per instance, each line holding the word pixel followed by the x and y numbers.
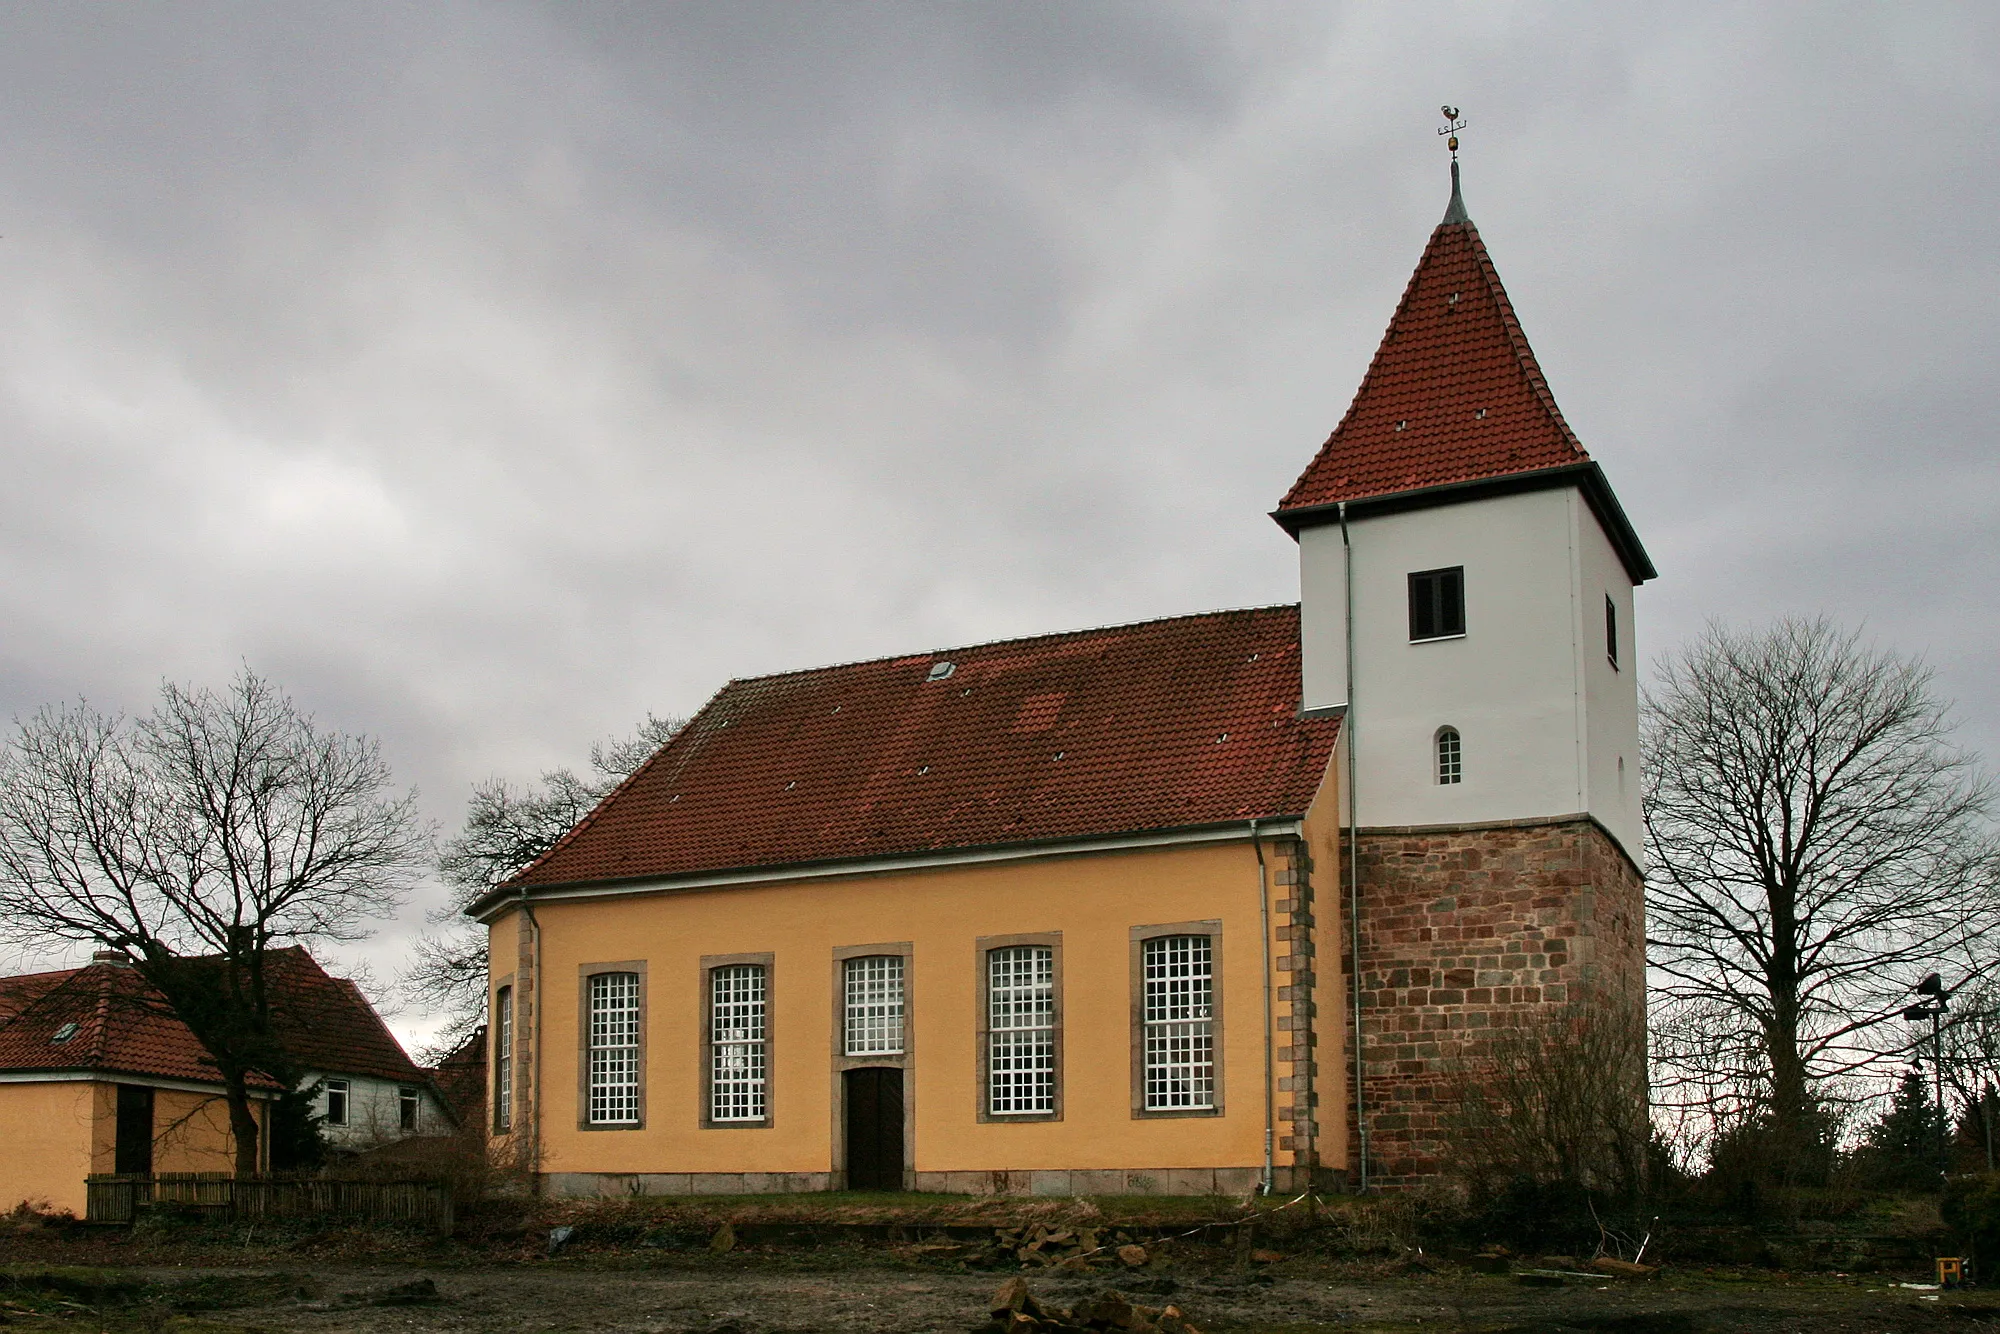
pixel 1467 933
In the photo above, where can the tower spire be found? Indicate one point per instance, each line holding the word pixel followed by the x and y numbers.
pixel 1454 212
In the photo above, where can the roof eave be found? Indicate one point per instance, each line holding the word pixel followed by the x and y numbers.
pixel 495 900
pixel 1586 476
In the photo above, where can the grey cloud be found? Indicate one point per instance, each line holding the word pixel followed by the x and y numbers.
pixel 495 373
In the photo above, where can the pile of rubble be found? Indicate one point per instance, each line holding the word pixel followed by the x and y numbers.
pixel 1016 1310
pixel 1069 1247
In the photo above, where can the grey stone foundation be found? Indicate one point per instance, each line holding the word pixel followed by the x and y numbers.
pixel 1119 1181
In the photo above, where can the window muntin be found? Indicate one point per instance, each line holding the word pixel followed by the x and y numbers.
pixel 739 1062
pixel 1020 1030
pixel 406 1108
pixel 503 1058
pixel 336 1102
pixel 1450 756
pixel 1437 603
pixel 1179 1023
pixel 1611 631
pixel 612 1097
pixel 873 1007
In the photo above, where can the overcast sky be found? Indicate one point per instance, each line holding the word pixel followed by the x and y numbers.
pixel 493 374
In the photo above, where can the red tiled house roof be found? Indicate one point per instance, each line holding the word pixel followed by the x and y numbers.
pixel 327 1025
pixel 125 1027
pixel 102 1018
pixel 1167 724
pixel 1454 396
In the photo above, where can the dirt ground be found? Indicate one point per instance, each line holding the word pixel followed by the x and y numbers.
pixel 824 1293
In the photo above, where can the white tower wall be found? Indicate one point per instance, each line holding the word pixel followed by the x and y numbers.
pixel 1544 717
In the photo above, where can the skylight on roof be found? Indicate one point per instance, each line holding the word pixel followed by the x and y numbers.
pixel 940 670
pixel 63 1034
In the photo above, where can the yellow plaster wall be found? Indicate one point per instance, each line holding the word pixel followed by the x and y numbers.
pixel 191 1132
pixel 1092 900
pixel 47 1131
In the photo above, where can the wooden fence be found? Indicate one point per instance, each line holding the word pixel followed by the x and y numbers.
pixel 118 1199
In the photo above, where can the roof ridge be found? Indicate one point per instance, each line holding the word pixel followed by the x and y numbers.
pixel 1531 365
pixel 1012 639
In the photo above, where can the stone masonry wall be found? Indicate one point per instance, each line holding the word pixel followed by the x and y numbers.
pixel 1466 933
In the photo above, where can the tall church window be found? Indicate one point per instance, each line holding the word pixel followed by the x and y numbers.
pixel 739 1035
pixel 611 1036
pixel 1179 1020
pixel 873 986
pixel 503 1059
pixel 1450 756
pixel 1020 1030
pixel 1437 603
pixel 1611 631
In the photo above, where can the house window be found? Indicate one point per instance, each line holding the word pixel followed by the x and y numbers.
pixel 1020 1030
pixel 873 987
pixel 503 1059
pixel 406 1108
pixel 739 1062
pixel 612 1059
pixel 1437 603
pixel 1450 756
pixel 336 1102
pixel 1178 1026
pixel 1611 631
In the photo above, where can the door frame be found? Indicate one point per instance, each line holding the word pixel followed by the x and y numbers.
pixel 841 1062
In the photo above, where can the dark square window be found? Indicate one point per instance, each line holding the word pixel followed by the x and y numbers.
pixel 1437 603
pixel 1611 630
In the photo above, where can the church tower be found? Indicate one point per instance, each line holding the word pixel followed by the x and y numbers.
pixel 1466 589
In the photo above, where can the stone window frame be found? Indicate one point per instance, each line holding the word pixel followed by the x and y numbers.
pixel 1137 937
pixel 705 1053
pixel 501 1058
pixel 982 971
pixel 904 1060
pixel 584 972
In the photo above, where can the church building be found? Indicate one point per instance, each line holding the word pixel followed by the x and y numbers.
pixel 1215 903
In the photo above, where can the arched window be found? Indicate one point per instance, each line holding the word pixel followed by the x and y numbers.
pixel 1450 756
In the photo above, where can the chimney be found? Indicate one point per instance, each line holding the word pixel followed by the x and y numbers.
pixel 116 958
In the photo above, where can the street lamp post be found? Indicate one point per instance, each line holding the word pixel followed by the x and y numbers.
pixel 1933 1008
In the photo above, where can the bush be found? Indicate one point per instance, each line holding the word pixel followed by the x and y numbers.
pixel 1971 1210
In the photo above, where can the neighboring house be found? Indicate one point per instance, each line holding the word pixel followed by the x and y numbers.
pixel 461 1078
pixel 369 1091
pixel 1170 906
pixel 96 1076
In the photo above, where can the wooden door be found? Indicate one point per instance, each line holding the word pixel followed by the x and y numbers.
pixel 132 1154
pixel 874 1097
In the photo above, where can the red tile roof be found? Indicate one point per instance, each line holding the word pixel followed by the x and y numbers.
pixel 115 1024
pixel 124 1026
pixel 1454 393
pixel 328 1026
pixel 1165 724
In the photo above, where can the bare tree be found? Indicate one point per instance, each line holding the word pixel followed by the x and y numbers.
pixel 197 840
pixel 506 829
pixel 1817 843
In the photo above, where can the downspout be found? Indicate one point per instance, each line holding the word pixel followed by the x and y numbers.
pixel 1354 868
pixel 1265 1182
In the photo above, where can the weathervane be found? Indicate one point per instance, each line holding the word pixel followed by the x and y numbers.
pixel 1453 123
